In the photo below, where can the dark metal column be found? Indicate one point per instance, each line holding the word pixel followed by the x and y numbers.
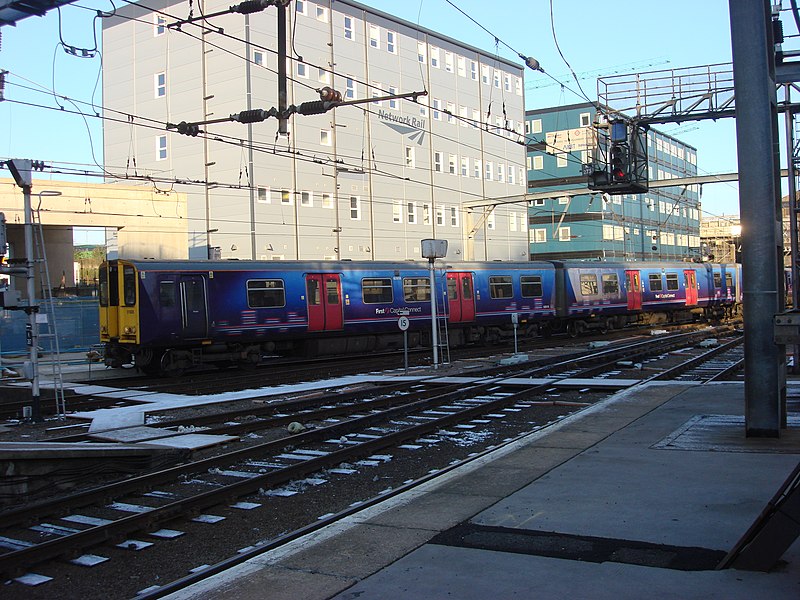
pixel 759 206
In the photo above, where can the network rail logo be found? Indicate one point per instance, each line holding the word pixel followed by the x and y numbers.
pixel 409 126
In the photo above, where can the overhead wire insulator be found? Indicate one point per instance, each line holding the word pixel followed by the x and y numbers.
pixel 254 116
pixel 314 108
pixel 329 94
pixel 250 6
pixel 185 128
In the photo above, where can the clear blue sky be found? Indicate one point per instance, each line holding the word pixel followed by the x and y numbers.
pixel 621 36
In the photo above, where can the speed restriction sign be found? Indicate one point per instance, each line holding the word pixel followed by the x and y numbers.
pixel 403 323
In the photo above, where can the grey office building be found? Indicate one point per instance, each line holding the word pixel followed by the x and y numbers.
pixel 367 181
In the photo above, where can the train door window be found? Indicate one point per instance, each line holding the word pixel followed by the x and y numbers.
pixel 531 286
pixel 655 282
pixel 129 285
pixel 332 291
pixel 729 280
pixel 103 281
pixel 417 289
pixel 167 294
pixel 588 284
pixel 500 287
pixel 717 280
pixel 610 283
pixel 672 281
pixel 268 293
pixel 466 287
pixel 313 296
pixel 376 291
pixel 452 288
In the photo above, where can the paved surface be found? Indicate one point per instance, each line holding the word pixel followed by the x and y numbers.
pixel 639 496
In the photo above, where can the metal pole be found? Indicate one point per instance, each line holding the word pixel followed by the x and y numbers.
pixel 405 350
pixel 792 210
pixel 283 122
pixel 434 332
pixel 759 206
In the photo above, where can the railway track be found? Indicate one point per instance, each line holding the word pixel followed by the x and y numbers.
pixel 365 434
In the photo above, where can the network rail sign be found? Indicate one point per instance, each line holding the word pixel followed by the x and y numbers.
pixel 407 125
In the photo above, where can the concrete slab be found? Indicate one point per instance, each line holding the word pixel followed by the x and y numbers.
pixel 132 434
pixel 440 572
pixel 435 511
pixel 192 441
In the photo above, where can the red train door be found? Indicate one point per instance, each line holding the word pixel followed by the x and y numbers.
pixel 461 297
pixel 634 290
pixel 690 278
pixel 324 302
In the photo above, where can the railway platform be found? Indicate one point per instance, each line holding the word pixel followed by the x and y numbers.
pixel 641 495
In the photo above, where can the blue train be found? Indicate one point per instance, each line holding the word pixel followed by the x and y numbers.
pixel 167 316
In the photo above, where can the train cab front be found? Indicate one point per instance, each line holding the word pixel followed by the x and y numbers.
pixel 119 311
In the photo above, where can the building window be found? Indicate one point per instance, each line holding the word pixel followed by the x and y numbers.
pixel 322 14
pixel 258 58
pixel 437 115
pixel 448 62
pixel 561 160
pixel 586 119
pixel 302 70
pixel 490 220
pixel 536 126
pixel 501 172
pixel 393 101
pixel 423 106
pixel 376 91
pixel 300 7
pixel 437 162
pixel 485 74
pixel 421 52
pixel 564 234
pixel 161 84
pixel 355 208
pixel 529 162
pixel 325 137
pixel 451 108
pixel 518 85
pixel 512 221
pixel 465 166
pixel 323 76
pixel 463 113
pixel 489 170
pixel 511 174
pixel 454 216
pixel 476 118
pixel 411 207
pixel 306 199
pixel 434 57
pixel 539 236
pixel 538 163
pixel 476 168
pixel 426 214
pixel 397 212
pixel 461 62
pixel 496 78
pixel 451 164
pixel 161 147
pixel 263 195
pixel 440 214
pixel 327 200
pixel 159 25
pixel 350 89
pixel 349 33
pixel 473 70
pixel 410 161
pixel 286 197
pixel 507 82
pixel 374 36
pixel 391 42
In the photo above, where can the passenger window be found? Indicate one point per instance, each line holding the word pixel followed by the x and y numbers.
pixel 166 294
pixel 717 280
pixel 500 287
pixel 129 286
pixel 314 298
pixel 267 293
pixel 610 283
pixel 466 288
pixel 588 284
pixel 376 291
pixel 672 281
pixel 416 289
pixel 531 286
pixel 729 280
pixel 655 282
pixel 103 280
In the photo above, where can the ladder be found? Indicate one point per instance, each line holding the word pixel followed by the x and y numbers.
pixel 47 318
pixel 442 319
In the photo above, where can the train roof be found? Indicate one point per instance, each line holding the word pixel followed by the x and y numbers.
pixel 322 265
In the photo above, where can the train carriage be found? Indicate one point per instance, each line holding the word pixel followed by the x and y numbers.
pixel 166 316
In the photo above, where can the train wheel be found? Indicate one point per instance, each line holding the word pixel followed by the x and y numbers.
pixel 573 329
pixel 169 366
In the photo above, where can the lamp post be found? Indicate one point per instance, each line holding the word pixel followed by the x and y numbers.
pixel 433 249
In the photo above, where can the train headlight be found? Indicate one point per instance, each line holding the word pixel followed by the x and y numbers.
pixel 103 329
pixel 129 331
